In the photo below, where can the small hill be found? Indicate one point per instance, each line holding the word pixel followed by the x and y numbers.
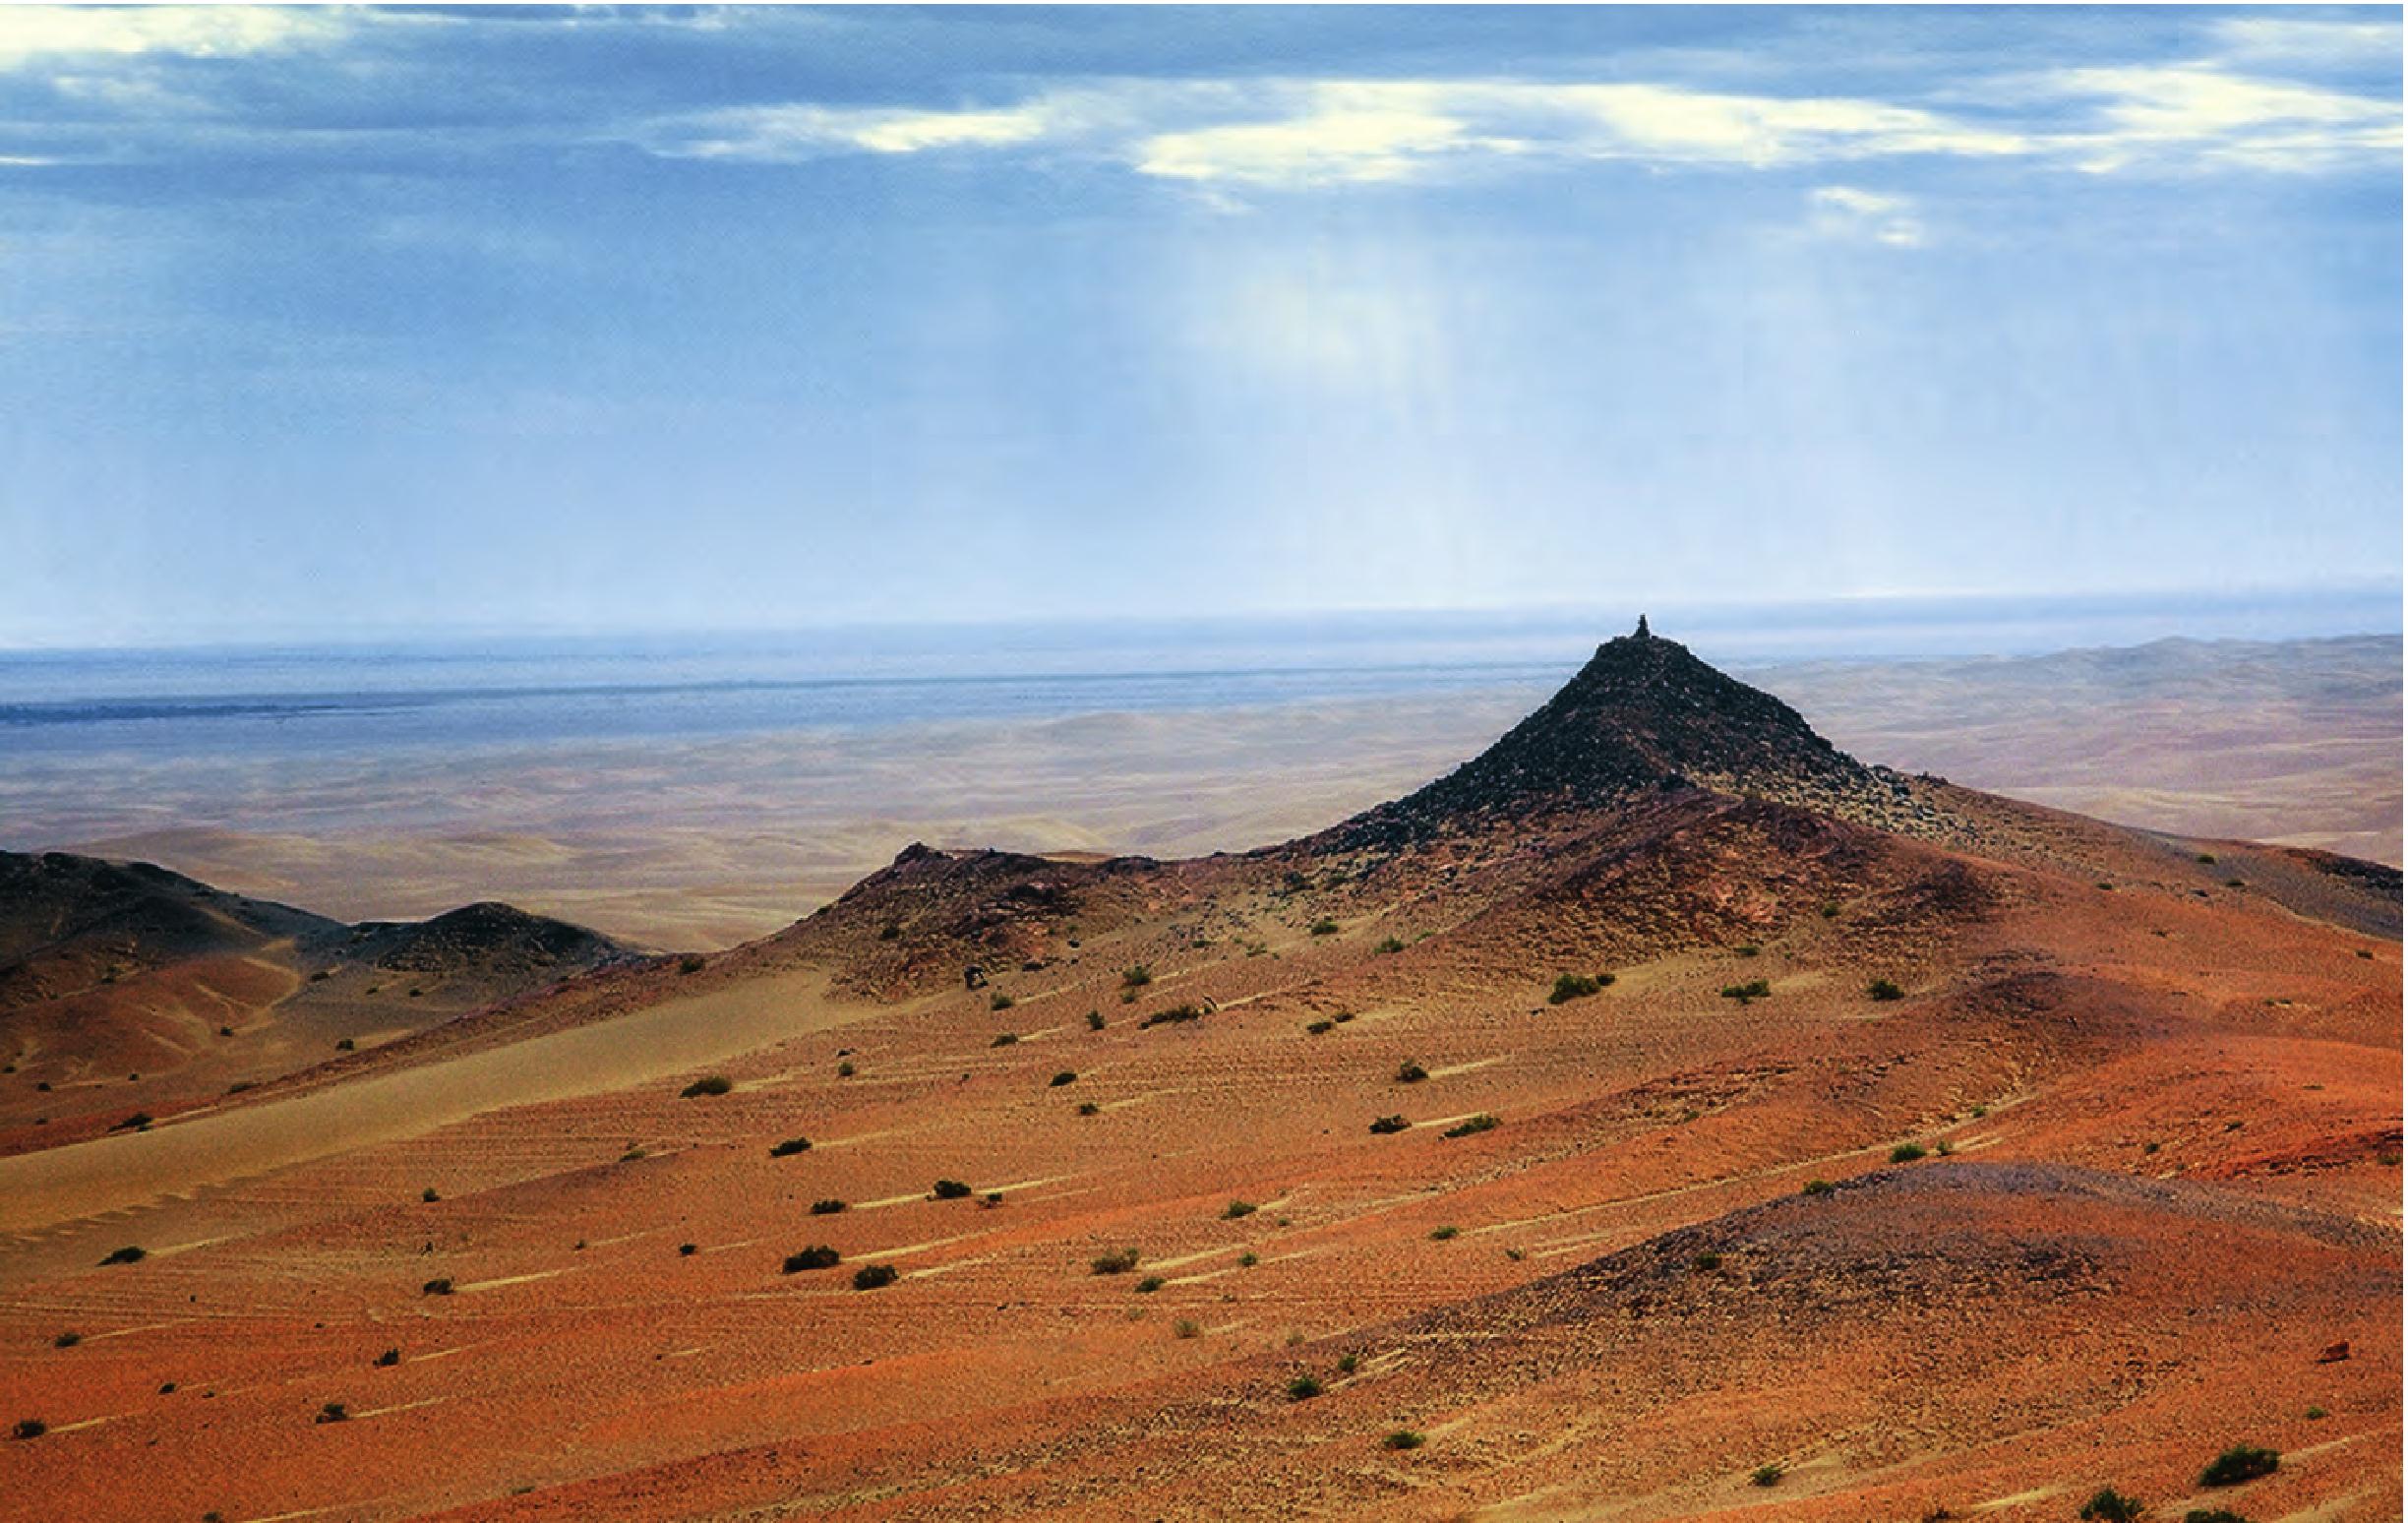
pixel 1643 715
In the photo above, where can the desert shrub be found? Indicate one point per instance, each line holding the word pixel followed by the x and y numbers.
pixel 828 1207
pixel 1095 1020
pixel 1516 1254
pixel 1343 1016
pixel 345 1045
pixel 429 1194
pixel 129 1255
pixel 1410 1072
pixel 1348 1361
pixel 891 932
pixel 1136 976
pixel 1403 1438
pixel 789 1147
pixel 1749 950
pixel 870 1277
pixel 846 1070
pixel 994 1198
pixel 138 1121
pixel 1706 1263
pixel 1004 1039
pixel 388 1358
pixel 1388 1126
pixel 709 1084
pixel 1001 1001
pixel 1090 1107
pixel 1248 1260
pixel 441 1285
pixel 1388 946
pixel 1239 1208
pixel 1473 1125
pixel 1303 1389
pixel 1184 1328
pixel 951 1189
pixel 1445 1234
pixel 333 1412
pixel 1753 989
pixel 2206 858
pixel 32 1427
pixel 1907 1152
pixel 689 1249
pixel 2212 1515
pixel 67 1340
pixel 1829 909
pixel 1882 990
pixel 1319 1027
pixel 816 1256
pixel 2233 882
pixel 633 1155
pixel 2241 1462
pixel 1944 1147
pixel 1172 1015
pixel 1767 1475
pixel 2109 1505
pixel 1817 1188
pixel 1150 1284
pixel 239 1085
pixel 1116 1261
pixel 1065 1076
pixel 1577 986
pixel 1325 927
pixel 2317 1414
pixel 690 963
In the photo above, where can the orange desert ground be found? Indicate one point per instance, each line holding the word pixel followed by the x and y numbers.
pixel 1663 1115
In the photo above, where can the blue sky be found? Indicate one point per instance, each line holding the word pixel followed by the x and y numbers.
pixel 426 319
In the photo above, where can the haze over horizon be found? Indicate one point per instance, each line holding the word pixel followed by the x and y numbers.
pixel 419 320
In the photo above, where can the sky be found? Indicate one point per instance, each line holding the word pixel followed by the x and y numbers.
pixel 322 323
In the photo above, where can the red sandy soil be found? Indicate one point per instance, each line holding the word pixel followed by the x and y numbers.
pixel 2161 1115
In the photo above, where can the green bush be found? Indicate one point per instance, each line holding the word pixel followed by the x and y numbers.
pixel 1749 951
pixel 1577 986
pixel 689 1249
pixel 1136 976
pixel 1319 1027
pixel 789 1147
pixel 1905 1152
pixel 1753 989
pixel 333 1412
pixel 1239 1208
pixel 1767 1475
pixel 388 1358
pixel 1150 1284
pixel 1706 1263
pixel 1004 1039
pixel 126 1255
pixel 1116 1261
pixel 951 1189
pixel 67 1340
pixel 1884 991
pixel 1065 1076
pixel 1090 1107
pixel 1184 1328
pixel 1388 946
pixel 1303 1389
pixel 1410 1072
pixel 1248 1260
pixel 1473 1125
pixel 2241 1462
pixel 1403 1438
pixel 690 963
pixel 1095 1020
pixel 1001 1002
pixel 1325 927
pixel 870 1277
pixel 1818 1187
pixel 32 1427
pixel 709 1084
pixel 441 1285
pixel 1388 1126
pixel 828 1207
pixel 2212 1515
pixel 2109 1505
pixel 818 1256
pixel 846 1070
pixel 1171 1016
pixel 429 1194
pixel 1445 1234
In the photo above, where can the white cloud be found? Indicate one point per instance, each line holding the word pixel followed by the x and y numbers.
pixel 2199 114
pixel 36 33
pixel 1846 213
pixel 2307 40
pixel 792 132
